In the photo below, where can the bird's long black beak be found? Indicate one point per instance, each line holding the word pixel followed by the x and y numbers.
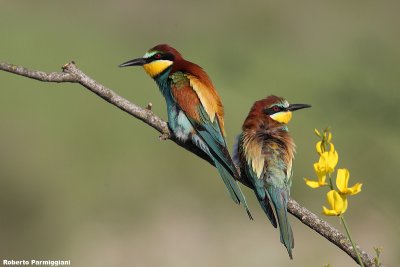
pixel 293 107
pixel 134 62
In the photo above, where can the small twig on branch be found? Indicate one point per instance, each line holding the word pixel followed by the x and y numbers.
pixel 149 106
pixel 71 73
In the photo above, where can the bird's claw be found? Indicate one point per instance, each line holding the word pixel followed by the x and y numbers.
pixel 164 137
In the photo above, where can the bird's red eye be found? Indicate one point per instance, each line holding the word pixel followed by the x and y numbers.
pixel 157 56
pixel 275 108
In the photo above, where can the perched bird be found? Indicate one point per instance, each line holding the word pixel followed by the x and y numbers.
pixel 194 108
pixel 264 152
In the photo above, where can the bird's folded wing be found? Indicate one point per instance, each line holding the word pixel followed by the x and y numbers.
pixel 197 107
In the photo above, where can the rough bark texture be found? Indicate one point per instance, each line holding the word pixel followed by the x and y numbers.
pixel 71 73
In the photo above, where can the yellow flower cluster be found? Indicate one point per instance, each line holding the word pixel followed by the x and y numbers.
pixel 328 159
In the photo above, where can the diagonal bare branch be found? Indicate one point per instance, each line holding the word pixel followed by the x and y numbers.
pixel 71 73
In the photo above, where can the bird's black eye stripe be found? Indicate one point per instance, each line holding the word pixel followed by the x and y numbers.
pixel 163 56
pixel 274 109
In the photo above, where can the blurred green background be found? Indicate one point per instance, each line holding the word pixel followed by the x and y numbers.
pixel 81 180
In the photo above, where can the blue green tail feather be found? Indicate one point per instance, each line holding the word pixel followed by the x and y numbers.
pixel 266 206
pixel 262 197
pixel 279 198
pixel 226 177
pixel 232 185
pixel 210 133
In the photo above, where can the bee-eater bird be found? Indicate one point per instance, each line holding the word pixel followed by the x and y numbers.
pixel 265 152
pixel 194 108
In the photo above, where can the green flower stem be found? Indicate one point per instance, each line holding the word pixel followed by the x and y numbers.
pixel 351 240
pixel 330 181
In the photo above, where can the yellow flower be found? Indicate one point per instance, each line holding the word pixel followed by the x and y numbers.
pixel 326 139
pixel 342 181
pixel 321 178
pixel 319 147
pixel 329 139
pixel 337 202
pixel 326 165
pixel 328 160
pixel 317 132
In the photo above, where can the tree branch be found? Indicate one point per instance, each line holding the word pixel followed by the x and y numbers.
pixel 71 73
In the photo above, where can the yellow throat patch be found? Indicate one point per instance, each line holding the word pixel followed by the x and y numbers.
pixel 282 117
pixel 156 67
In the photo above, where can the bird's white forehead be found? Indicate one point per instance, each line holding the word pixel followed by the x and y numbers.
pixel 285 104
pixel 282 103
pixel 149 54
